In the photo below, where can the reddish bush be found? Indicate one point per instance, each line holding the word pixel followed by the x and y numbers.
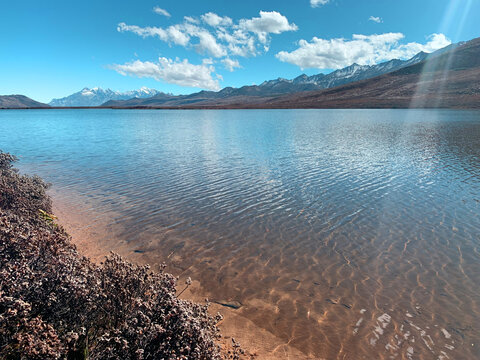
pixel 56 304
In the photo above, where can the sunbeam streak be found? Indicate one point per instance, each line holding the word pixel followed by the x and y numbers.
pixel 435 74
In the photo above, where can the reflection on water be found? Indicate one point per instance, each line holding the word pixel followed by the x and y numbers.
pixel 350 234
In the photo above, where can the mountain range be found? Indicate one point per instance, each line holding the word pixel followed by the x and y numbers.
pixel 97 96
pixel 278 86
pixel 19 102
pixel 449 80
pixel 148 97
pixel 449 77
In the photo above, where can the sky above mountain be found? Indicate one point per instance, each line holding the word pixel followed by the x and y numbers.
pixel 55 48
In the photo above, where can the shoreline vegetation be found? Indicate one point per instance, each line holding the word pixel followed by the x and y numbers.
pixel 57 304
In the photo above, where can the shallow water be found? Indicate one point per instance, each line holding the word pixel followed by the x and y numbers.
pixel 349 234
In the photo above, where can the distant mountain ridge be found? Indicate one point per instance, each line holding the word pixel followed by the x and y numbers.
pixel 281 92
pixel 447 78
pixel 349 74
pixel 97 96
pixel 19 102
pixel 278 86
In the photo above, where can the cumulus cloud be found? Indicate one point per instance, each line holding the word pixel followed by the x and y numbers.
pixel 269 22
pixel 231 64
pixel 172 71
pixel 173 34
pixel 361 49
pixel 376 19
pixel 191 20
pixel 224 37
pixel 161 11
pixel 214 20
pixel 212 35
pixel 317 3
pixel 208 44
pixel 435 42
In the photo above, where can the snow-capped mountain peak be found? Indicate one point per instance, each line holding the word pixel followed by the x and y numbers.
pixel 97 96
pixel 354 72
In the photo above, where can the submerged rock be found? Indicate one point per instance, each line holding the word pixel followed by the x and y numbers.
pixel 231 304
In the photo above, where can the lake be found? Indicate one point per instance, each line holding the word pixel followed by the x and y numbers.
pixel 348 234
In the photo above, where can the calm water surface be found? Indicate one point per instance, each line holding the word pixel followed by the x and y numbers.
pixel 349 234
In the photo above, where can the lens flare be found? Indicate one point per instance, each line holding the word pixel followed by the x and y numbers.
pixel 433 78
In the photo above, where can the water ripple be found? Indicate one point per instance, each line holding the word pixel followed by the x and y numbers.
pixel 349 234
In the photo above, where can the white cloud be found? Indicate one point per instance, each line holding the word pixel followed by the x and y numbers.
pixel 172 71
pixel 208 44
pixel 177 35
pixel 231 64
pixel 190 19
pixel 317 3
pixel 161 11
pixel 376 19
pixel 212 35
pixel 173 34
pixel 362 49
pixel 238 42
pixel 435 42
pixel 180 34
pixel 214 20
pixel 221 37
pixel 269 22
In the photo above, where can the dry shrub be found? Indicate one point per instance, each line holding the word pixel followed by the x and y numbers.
pixel 56 304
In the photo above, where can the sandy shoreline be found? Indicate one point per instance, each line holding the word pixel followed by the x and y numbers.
pixel 94 236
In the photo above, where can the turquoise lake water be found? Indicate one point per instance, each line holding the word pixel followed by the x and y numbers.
pixel 350 232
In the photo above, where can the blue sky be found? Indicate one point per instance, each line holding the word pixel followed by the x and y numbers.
pixel 54 48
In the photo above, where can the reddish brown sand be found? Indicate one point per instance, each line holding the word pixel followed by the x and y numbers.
pixel 89 231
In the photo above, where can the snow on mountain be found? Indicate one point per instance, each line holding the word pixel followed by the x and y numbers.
pixel 97 96
pixel 352 73
pixel 349 74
